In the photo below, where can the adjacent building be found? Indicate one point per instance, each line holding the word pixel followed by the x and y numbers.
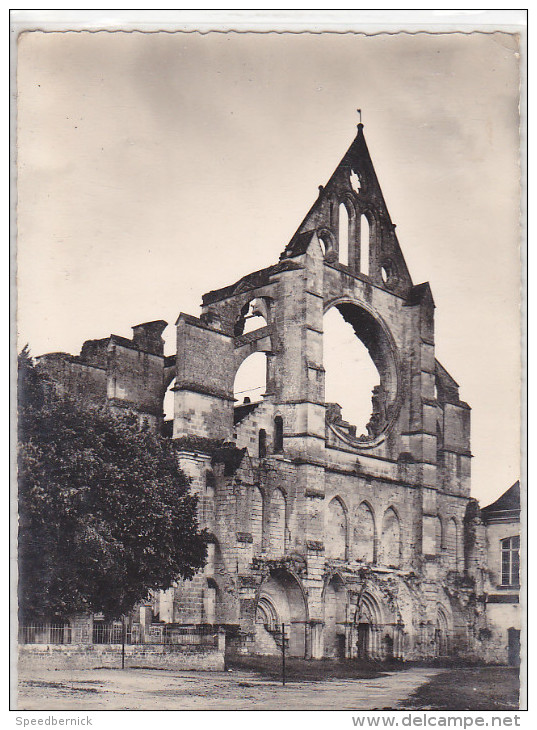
pixel 502 521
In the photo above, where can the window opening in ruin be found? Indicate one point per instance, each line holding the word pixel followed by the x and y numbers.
pixel 365 241
pixel 262 443
pixel 452 544
pixel 278 434
pixel 355 181
pixel 384 274
pixel 343 237
pixel 210 483
pixel 251 380
pixel 322 244
pixel 251 318
pixel 351 377
pixel 510 560
pixel 168 404
pixel 439 445
pixel 168 410
pixel 207 503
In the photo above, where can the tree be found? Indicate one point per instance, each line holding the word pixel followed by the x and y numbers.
pixel 105 513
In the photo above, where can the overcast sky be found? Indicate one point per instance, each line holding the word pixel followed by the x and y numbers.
pixel 155 167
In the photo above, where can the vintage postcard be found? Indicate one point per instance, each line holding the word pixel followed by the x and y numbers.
pixel 269 356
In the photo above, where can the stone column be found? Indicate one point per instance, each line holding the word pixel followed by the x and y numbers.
pixel 146 619
pixel 82 629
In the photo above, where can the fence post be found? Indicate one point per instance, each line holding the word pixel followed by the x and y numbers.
pixel 123 629
pixel 283 655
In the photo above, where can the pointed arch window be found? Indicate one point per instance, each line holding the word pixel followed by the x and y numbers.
pixel 278 434
pixel 343 237
pixel 365 243
pixel 262 448
pixel 452 544
pixel 262 445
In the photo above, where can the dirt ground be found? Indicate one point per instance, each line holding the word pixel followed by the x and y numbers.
pixel 152 689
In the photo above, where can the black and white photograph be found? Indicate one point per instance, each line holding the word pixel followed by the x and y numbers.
pixel 269 317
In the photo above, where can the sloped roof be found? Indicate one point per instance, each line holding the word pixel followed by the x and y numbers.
pixel 508 502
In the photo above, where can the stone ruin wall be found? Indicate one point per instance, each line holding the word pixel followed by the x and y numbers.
pixel 362 545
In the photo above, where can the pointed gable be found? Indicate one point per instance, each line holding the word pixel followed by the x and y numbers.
pixel 352 221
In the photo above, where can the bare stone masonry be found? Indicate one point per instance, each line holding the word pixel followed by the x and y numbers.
pixel 361 544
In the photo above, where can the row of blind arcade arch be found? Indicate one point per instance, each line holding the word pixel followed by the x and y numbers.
pixel 269 530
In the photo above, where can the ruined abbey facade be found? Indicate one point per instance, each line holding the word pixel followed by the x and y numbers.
pixel 363 545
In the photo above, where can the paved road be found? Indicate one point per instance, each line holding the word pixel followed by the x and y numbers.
pixel 140 689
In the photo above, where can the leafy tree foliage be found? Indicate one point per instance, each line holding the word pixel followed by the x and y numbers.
pixel 105 513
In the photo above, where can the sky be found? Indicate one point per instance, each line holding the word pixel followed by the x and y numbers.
pixel 155 167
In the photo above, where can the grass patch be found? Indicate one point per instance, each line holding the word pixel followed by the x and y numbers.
pixel 475 688
pixel 308 670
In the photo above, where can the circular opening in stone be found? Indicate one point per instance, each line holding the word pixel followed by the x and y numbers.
pixel 356 182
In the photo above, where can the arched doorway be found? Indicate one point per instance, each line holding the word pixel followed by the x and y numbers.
pixel 368 625
pixel 281 601
pixel 441 633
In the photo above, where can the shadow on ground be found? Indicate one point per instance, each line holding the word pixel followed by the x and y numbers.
pixel 307 670
pixel 470 688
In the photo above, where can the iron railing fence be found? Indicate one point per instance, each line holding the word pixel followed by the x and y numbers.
pixel 112 633
pixel 45 634
pixel 173 634
pixel 155 634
